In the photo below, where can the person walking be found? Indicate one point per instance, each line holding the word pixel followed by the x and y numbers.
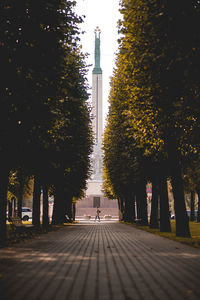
pixel 97 214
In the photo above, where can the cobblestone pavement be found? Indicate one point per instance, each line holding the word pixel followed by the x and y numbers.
pixel 99 261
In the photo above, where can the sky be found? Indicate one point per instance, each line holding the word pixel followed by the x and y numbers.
pixel 105 14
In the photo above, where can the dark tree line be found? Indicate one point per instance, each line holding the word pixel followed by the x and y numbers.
pixel 45 130
pixel 153 124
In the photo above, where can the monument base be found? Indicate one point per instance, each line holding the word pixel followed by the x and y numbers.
pixel 94 198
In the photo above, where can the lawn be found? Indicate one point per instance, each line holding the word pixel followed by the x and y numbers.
pixel 194 230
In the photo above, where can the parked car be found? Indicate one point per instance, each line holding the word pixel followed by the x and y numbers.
pixel 26 213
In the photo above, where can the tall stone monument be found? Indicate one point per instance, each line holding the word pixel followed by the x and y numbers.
pixel 97 91
pixel 93 195
pixel 95 182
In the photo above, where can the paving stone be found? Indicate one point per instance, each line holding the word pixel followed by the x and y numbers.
pixel 100 261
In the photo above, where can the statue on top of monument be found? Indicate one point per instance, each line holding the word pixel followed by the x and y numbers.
pixel 97 68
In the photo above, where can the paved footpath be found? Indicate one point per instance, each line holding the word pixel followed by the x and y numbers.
pixel 99 261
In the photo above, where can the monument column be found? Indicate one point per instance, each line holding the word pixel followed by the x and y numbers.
pixel 97 106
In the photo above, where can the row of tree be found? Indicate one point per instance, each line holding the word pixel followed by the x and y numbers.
pixel 153 125
pixel 45 129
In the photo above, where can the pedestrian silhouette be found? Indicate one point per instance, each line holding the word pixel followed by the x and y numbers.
pixel 97 214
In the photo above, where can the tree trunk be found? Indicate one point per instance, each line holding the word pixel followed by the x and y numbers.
pixel 68 207
pixel 154 205
pixel 19 206
pixel 3 202
pixel 9 209
pixel 45 213
pixel 36 202
pixel 182 221
pixel 134 208
pixel 73 211
pixel 165 225
pixel 192 199
pixel 141 200
pixel 121 208
pixel 129 213
pixel 59 207
pixel 138 207
pixel 14 207
pixel 198 205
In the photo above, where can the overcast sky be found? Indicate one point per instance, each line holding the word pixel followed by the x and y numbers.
pixel 105 14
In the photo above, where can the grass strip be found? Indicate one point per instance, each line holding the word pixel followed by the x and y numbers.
pixel 194 241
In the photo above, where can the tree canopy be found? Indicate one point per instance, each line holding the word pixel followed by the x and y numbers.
pixel 155 89
pixel 44 113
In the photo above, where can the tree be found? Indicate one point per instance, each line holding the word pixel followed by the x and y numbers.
pixel 38 49
pixel 120 152
pixel 158 59
pixel 73 140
